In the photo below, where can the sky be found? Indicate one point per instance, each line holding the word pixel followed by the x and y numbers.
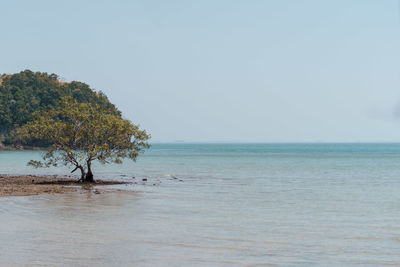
pixel 223 70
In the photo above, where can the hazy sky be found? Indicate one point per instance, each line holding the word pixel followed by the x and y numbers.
pixel 223 70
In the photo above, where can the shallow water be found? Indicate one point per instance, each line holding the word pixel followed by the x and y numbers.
pixel 216 205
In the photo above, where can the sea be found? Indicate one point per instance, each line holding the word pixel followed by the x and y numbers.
pixel 314 204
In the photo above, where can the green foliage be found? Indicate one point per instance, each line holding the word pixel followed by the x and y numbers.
pixel 83 132
pixel 27 92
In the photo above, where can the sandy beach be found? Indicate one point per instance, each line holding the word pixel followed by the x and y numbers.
pixel 33 185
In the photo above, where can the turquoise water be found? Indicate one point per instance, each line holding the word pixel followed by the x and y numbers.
pixel 216 205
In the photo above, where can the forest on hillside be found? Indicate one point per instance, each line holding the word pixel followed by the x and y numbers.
pixel 22 94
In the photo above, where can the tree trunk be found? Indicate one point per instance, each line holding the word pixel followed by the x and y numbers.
pixel 83 174
pixel 89 175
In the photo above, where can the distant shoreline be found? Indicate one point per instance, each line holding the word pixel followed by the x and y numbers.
pixel 20 147
pixel 27 185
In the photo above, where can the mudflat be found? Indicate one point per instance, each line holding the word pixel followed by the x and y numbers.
pixel 26 185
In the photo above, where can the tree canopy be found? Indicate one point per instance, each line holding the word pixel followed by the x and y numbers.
pixel 81 133
pixel 27 92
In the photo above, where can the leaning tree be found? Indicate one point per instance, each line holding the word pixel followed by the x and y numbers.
pixel 80 133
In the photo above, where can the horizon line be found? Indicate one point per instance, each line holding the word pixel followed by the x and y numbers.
pixel 274 142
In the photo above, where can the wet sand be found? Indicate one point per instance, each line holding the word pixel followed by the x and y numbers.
pixel 33 185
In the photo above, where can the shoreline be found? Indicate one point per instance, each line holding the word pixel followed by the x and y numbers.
pixel 14 147
pixel 27 185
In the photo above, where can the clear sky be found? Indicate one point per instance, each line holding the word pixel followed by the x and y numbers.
pixel 223 70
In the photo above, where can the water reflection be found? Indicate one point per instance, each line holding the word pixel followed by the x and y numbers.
pixel 73 228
